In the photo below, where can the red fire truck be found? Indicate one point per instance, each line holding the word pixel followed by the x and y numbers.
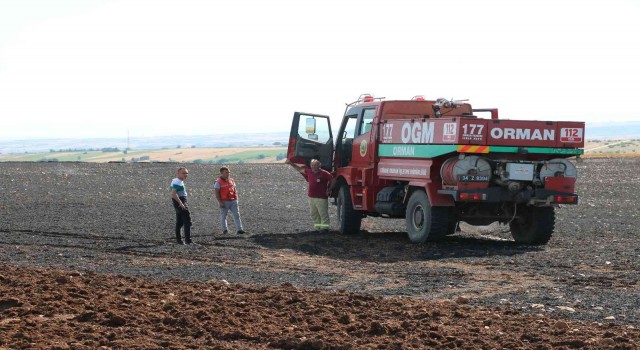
pixel 438 162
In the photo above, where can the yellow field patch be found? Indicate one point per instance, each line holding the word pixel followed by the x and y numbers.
pixel 156 155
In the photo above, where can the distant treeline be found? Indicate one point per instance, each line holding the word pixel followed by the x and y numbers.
pixel 104 149
pixel 609 141
pixel 279 157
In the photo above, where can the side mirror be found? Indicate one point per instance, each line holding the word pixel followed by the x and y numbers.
pixel 313 137
pixel 311 126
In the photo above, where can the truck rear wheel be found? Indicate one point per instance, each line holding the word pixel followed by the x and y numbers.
pixel 349 220
pixel 534 225
pixel 424 221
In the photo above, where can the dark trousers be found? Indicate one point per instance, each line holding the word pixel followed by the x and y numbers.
pixel 183 219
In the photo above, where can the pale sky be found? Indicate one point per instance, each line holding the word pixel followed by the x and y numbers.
pixel 100 68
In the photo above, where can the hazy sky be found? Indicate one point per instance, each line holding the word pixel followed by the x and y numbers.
pixel 100 68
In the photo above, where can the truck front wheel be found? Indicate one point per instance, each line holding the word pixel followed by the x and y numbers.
pixel 534 225
pixel 349 220
pixel 424 221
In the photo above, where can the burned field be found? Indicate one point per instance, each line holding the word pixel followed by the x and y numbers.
pixel 88 260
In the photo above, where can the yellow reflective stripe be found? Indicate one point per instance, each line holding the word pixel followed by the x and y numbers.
pixel 473 149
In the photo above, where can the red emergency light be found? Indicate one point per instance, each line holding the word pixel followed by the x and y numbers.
pixel 418 98
pixel 367 98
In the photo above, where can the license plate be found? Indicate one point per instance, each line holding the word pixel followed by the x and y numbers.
pixel 473 178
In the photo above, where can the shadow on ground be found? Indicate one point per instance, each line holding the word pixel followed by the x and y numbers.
pixel 389 246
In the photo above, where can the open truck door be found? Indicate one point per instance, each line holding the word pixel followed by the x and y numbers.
pixel 311 138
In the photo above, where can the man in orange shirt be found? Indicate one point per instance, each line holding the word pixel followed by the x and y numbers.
pixel 227 195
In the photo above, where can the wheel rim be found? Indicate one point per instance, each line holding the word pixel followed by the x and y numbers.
pixel 340 206
pixel 418 217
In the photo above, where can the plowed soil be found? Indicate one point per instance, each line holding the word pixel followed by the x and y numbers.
pixel 88 261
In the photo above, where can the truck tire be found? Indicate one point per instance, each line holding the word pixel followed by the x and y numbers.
pixel 349 219
pixel 535 225
pixel 424 221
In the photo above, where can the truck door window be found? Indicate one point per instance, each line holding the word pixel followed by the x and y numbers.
pixel 345 143
pixel 321 133
pixel 367 119
pixel 350 127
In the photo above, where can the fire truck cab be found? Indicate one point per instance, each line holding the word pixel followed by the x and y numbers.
pixel 437 162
